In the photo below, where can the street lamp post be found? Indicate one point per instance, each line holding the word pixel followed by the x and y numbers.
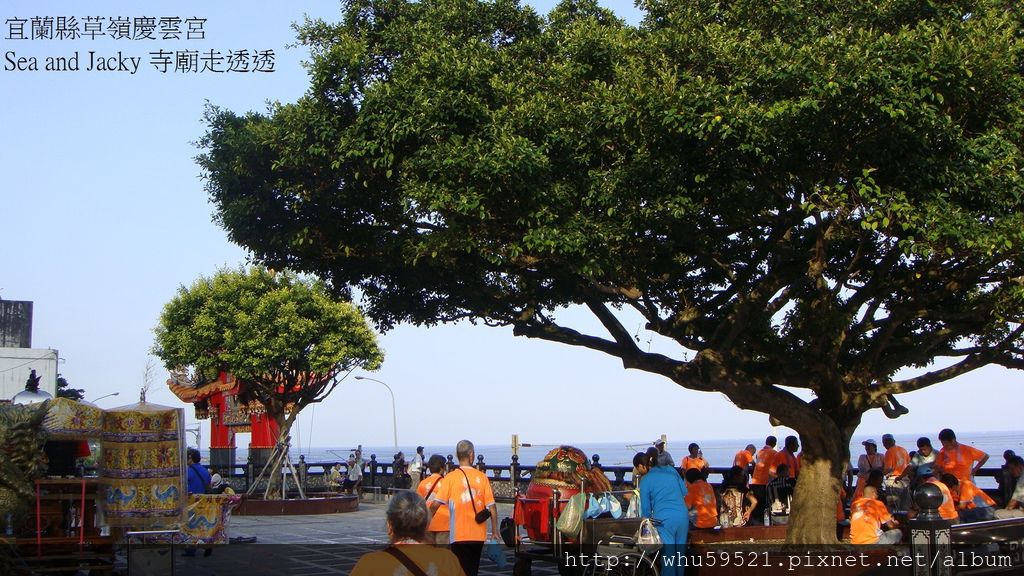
pixel 104 396
pixel 394 418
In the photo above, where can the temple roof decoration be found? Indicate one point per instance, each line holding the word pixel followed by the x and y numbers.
pixel 185 388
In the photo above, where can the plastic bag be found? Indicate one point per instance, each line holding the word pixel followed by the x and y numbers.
pixel 494 552
pixel 605 505
pixel 570 521
pixel 647 538
pixel 594 507
pixel 614 506
pixel 633 511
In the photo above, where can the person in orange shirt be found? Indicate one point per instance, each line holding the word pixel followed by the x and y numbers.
pixel 759 478
pixel 896 458
pixel 437 531
pixel 694 459
pixel 972 503
pixel 894 464
pixel 947 510
pixel 407 519
pixel 788 457
pixel 958 459
pixel 467 493
pixel 868 517
pixel 700 496
pixel 745 459
pixel 874 480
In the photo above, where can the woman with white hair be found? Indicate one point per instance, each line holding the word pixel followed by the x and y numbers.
pixel 407 520
pixel 219 486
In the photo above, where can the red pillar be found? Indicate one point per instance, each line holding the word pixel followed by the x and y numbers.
pixel 264 437
pixel 222 438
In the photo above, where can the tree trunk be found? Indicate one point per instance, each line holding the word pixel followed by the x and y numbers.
pixel 826 453
pixel 277 458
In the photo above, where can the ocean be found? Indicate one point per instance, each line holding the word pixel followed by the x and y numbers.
pixel 719 453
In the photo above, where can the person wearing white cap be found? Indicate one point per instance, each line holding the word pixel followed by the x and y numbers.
pixel 219 486
pixel 868 461
pixel 664 458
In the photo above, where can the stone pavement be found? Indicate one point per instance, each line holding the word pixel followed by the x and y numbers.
pixel 298 546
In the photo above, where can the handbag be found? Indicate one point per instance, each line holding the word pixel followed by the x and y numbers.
pixel 647 538
pixel 507 529
pixel 570 521
pixel 481 515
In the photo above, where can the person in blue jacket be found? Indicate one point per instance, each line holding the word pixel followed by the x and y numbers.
pixel 198 475
pixel 198 481
pixel 661 499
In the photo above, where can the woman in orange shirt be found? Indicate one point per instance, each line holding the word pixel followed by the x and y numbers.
pixel 694 460
pixel 437 531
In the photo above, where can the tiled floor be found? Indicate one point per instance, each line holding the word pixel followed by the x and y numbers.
pixel 299 546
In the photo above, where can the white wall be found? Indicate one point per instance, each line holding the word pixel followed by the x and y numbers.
pixel 17 363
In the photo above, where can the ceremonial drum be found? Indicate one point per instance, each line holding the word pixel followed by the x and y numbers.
pixel 565 469
pixel 142 465
pixel 534 510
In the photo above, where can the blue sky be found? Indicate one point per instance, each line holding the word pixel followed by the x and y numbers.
pixel 104 216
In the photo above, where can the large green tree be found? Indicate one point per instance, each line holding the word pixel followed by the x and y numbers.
pixel 804 196
pixel 287 339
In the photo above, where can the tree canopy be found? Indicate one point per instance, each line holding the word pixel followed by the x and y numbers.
pixel 800 195
pixel 289 340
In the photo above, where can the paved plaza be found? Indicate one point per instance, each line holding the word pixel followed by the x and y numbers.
pixel 297 546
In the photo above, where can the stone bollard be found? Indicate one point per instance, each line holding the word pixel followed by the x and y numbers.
pixel 513 471
pixel 480 462
pixel 302 472
pixel 930 535
pixel 450 464
pixel 249 472
pixel 373 469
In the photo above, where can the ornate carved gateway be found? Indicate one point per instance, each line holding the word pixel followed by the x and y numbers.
pixel 224 402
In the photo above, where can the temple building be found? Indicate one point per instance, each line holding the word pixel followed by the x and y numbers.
pixel 223 402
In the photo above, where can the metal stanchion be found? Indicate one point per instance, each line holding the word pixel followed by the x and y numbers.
pixel 930 535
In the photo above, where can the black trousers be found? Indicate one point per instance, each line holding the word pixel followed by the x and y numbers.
pixel 468 554
pixel 761 493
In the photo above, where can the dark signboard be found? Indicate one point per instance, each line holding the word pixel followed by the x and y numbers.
pixel 15 324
